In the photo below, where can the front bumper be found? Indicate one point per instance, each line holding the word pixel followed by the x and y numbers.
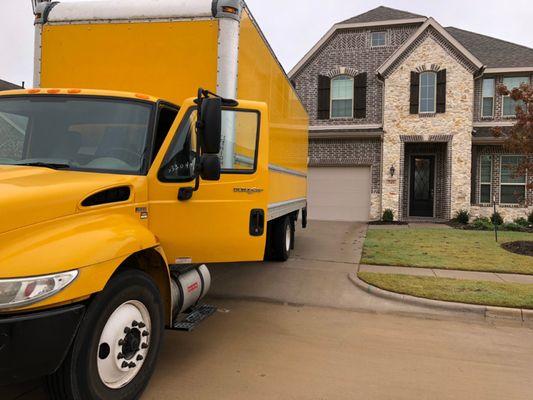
pixel 35 345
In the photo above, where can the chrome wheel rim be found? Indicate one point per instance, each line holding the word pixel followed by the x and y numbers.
pixel 124 344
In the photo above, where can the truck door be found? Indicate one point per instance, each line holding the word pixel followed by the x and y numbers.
pixel 225 221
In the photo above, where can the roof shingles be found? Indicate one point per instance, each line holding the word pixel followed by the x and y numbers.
pixel 4 85
pixel 381 14
pixel 494 53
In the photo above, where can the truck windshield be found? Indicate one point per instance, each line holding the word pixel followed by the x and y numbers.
pixel 77 133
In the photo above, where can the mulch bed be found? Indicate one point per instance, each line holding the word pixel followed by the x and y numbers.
pixel 522 248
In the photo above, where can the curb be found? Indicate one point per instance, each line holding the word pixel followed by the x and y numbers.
pixel 489 313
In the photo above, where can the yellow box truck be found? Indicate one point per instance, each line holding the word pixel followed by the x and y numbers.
pixel 120 179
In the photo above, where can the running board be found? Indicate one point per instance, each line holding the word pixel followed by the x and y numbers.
pixel 194 318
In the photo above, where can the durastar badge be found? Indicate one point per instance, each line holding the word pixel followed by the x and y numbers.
pixel 248 190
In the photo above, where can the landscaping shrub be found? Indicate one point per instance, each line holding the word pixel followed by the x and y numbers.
pixel 522 222
pixel 482 224
pixel 512 226
pixel 496 219
pixel 388 216
pixel 530 218
pixel 462 217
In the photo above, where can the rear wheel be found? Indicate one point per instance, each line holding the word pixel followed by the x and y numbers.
pixel 114 353
pixel 280 241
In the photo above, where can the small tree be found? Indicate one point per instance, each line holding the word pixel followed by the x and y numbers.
pixel 519 139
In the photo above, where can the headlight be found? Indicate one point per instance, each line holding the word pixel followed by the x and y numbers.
pixel 15 293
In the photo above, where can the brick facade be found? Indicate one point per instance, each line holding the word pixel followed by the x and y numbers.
pixel 498 100
pixel 509 212
pixel 350 49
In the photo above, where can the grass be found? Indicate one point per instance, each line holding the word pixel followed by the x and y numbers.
pixel 445 249
pixel 513 295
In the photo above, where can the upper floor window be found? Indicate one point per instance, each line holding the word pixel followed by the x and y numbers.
pixel 509 105
pixel 487 102
pixel 428 92
pixel 379 39
pixel 342 91
pixel 513 186
pixel 485 195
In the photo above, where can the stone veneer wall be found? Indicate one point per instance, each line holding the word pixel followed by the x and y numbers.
pixel 508 212
pixel 351 153
pixel 456 121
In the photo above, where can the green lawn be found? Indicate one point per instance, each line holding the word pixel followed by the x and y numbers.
pixel 471 292
pixel 445 249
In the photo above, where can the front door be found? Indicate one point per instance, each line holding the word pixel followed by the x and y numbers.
pixel 422 179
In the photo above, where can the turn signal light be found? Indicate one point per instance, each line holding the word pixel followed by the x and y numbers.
pixel 74 91
pixel 53 91
pixel 33 91
pixel 230 10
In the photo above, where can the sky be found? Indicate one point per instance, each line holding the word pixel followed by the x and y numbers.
pixel 294 26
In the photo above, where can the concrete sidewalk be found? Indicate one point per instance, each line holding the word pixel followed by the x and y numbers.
pixel 448 273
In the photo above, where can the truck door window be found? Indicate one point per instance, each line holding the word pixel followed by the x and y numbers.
pixel 238 155
pixel 179 162
pixel 240 134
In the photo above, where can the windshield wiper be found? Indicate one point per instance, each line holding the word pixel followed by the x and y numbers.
pixel 45 165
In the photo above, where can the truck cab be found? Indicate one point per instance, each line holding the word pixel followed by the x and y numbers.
pixel 119 182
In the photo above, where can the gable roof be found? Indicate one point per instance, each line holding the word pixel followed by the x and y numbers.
pixel 494 53
pixel 380 14
pixel 366 20
pixel 430 23
pixel 4 85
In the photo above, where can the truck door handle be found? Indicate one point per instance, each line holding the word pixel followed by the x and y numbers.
pixel 257 222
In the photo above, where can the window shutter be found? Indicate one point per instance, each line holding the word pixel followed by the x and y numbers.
pixel 324 97
pixel 441 91
pixel 359 104
pixel 415 93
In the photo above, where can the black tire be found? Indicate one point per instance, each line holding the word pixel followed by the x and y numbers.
pixel 78 378
pixel 281 242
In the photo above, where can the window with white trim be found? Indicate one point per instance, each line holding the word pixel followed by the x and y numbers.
pixel 509 105
pixel 342 91
pixel 487 101
pixel 379 39
pixel 428 93
pixel 512 186
pixel 485 178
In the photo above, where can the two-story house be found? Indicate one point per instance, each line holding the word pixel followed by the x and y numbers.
pixel 402 112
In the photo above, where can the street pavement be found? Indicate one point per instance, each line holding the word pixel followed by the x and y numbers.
pixel 302 330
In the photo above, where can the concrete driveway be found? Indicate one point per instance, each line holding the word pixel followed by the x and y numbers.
pixel 303 340
pixel 315 275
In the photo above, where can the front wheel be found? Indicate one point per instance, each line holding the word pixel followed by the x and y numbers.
pixel 114 353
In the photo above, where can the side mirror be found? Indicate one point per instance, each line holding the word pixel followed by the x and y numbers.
pixel 210 167
pixel 210 125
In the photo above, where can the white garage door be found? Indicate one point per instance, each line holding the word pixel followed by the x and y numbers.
pixel 339 194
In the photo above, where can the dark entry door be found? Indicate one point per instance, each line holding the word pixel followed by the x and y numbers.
pixel 422 186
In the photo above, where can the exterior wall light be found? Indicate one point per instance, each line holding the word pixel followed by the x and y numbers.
pixel 392 171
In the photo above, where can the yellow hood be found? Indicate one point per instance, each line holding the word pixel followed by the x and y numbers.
pixel 30 195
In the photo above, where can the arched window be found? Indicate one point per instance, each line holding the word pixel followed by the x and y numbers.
pixel 428 92
pixel 342 91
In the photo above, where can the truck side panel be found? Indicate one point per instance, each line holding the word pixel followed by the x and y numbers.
pixel 261 78
pixel 164 59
